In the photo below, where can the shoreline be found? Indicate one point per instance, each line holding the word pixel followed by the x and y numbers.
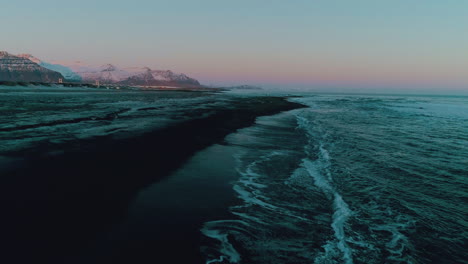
pixel 111 86
pixel 72 197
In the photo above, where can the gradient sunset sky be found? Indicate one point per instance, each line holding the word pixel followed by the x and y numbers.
pixel 404 44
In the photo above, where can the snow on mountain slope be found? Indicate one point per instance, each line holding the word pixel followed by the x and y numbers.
pixel 19 69
pixel 68 73
pixel 160 77
pixel 107 73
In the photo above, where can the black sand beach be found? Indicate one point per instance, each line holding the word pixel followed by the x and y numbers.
pixel 59 201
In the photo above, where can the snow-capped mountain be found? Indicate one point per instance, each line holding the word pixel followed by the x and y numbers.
pixel 18 69
pixel 107 73
pixel 80 72
pixel 68 73
pixel 158 77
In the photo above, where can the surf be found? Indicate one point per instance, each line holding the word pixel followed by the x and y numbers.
pixel 319 170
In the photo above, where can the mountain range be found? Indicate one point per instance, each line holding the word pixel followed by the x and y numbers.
pixel 160 78
pixel 27 68
pixel 67 73
pixel 107 73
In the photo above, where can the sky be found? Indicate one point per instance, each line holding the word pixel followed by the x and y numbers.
pixel 332 44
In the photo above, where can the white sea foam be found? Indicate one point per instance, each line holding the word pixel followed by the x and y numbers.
pixel 341 209
pixel 272 206
pixel 319 169
pixel 226 249
pixel 398 242
pixel 249 191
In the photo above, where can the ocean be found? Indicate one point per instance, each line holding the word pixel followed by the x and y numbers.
pixel 346 179
pixel 349 179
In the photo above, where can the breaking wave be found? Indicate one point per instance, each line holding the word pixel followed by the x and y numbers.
pixel 348 180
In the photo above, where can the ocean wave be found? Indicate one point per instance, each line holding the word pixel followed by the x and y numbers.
pixel 320 171
pixel 358 180
pixel 263 214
